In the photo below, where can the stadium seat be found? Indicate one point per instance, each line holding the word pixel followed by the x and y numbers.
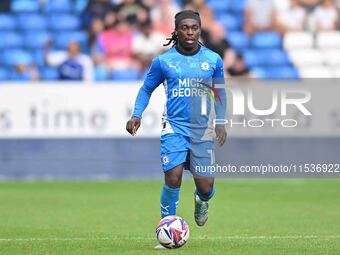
pixel 332 57
pixel 316 72
pixel 49 74
pixel 32 22
pixel 16 56
pixel 238 40
pixel 101 74
pixel 63 22
pixel 230 22
pixel 326 40
pixel 283 72
pixel 80 5
pixel 266 40
pixel 129 74
pixel 238 6
pixel 11 40
pixel 36 39
pixel 3 74
pixel 7 22
pixel 61 40
pixel 219 6
pixel 25 6
pixel 295 40
pixel 53 6
pixel 39 57
pixel 260 72
pixel 336 72
pixel 305 57
pixel 266 57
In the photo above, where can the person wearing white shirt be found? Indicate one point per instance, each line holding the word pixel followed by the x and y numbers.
pixel 326 16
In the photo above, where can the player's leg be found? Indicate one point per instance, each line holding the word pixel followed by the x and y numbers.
pixel 170 191
pixel 202 160
pixel 204 192
pixel 173 154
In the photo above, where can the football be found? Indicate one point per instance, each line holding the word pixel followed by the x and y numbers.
pixel 172 232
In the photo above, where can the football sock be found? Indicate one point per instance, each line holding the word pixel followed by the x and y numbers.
pixel 204 197
pixel 169 201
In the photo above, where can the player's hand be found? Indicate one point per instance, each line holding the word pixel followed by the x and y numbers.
pixel 221 134
pixel 132 125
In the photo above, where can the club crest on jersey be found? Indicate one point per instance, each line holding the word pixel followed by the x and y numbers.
pixel 205 66
pixel 165 160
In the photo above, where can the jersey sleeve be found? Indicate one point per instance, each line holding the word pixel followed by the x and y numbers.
pixel 220 87
pixel 153 78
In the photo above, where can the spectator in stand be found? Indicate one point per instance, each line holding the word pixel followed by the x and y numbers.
pixel 214 39
pixel 162 16
pixel 5 6
pixel 23 72
pixel 147 44
pixel 326 16
pixel 292 19
pixel 96 9
pixel 239 69
pixel 204 10
pixel 114 47
pixel 97 26
pixel 72 65
pixel 133 11
pixel 259 16
pixel 309 5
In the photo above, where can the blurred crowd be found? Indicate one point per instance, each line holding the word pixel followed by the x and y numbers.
pixel 124 35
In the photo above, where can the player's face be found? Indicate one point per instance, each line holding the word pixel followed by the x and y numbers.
pixel 188 32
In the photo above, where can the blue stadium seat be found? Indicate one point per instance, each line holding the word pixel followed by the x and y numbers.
pixel 7 22
pixel 253 58
pixel 35 40
pixel 266 57
pixel 260 72
pixel 219 6
pixel 238 40
pixel 32 21
pixel 129 74
pixel 61 40
pixel 80 5
pixel 58 6
pixel 230 21
pixel 283 72
pixel 38 57
pixel 4 74
pixel 238 5
pixel 11 40
pixel 101 73
pixel 25 5
pixel 64 22
pixel 49 74
pixel 16 56
pixel 275 57
pixel 266 40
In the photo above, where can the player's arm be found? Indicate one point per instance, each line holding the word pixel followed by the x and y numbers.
pixel 153 79
pixel 221 107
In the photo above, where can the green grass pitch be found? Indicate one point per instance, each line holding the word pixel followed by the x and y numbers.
pixel 118 217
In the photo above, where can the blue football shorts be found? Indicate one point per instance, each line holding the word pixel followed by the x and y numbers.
pixel 197 155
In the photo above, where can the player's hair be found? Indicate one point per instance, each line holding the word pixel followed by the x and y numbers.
pixel 186 14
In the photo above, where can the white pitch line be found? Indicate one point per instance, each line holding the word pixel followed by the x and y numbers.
pixel 193 238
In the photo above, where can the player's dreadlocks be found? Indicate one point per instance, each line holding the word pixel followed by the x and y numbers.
pixel 186 14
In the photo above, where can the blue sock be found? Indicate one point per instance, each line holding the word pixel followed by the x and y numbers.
pixel 203 197
pixel 169 201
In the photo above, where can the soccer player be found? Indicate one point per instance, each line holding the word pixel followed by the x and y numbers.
pixel 189 72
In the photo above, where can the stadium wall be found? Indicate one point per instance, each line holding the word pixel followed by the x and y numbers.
pixel 77 131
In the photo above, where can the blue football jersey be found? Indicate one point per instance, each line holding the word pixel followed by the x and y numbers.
pixel 190 83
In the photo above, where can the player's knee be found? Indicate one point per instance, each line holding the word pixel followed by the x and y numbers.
pixel 173 181
pixel 206 190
